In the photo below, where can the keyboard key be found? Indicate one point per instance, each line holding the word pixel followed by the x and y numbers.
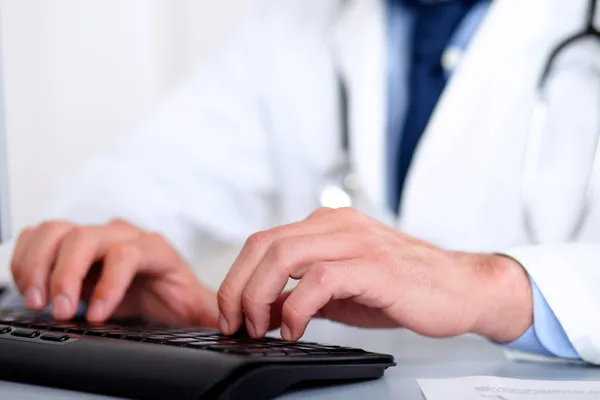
pixel 207 332
pixel 4 330
pixel 161 337
pixel 181 341
pixel 54 338
pixel 25 334
pixel 248 352
pixel 208 342
pixel 7 319
pixel 292 352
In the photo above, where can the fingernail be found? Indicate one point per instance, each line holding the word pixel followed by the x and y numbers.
pixel 33 298
pixel 96 311
pixel 61 307
pixel 250 328
pixel 285 332
pixel 223 326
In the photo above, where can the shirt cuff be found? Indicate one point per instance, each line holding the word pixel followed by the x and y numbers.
pixel 546 336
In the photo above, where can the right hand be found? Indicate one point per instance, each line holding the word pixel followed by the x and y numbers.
pixel 140 274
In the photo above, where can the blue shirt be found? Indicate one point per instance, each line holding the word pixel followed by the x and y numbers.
pixel 546 336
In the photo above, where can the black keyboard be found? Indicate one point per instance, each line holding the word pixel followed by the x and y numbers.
pixel 30 326
pixel 36 349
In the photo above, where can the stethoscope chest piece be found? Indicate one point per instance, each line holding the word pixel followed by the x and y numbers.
pixel 340 186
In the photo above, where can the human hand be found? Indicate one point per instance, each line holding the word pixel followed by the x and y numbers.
pixel 119 269
pixel 357 271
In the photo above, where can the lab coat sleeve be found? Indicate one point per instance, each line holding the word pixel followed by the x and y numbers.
pixel 568 277
pixel 198 170
pixel 546 336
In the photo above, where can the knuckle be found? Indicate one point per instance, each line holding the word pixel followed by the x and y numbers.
pixel 348 213
pixel 248 300
pixel 357 221
pixel 122 225
pixel 59 283
pixel 78 234
pixel 53 226
pixel 225 294
pixel 279 252
pixel 155 239
pixel 119 222
pixel 25 232
pixel 291 311
pixel 320 211
pixel 258 241
pixel 124 251
pixel 320 274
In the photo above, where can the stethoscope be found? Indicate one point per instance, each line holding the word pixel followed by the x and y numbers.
pixel 536 133
pixel 341 184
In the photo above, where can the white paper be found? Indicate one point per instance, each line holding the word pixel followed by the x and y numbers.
pixel 494 388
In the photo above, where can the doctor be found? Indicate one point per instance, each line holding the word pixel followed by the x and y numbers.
pixel 470 196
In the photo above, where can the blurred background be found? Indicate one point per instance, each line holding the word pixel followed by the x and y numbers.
pixel 80 72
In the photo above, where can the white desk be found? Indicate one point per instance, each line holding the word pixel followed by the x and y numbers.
pixel 417 357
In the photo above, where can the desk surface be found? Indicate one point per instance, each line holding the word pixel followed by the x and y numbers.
pixel 417 357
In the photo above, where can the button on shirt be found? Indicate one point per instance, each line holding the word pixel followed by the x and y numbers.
pixel 426 40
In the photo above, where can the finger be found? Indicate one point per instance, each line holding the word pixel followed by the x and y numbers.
pixel 289 258
pixel 322 283
pixel 120 265
pixel 230 292
pixel 320 212
pixel 36 262
pixel 175 296
pixel 186 298
pixel 16 265
pixel 79 249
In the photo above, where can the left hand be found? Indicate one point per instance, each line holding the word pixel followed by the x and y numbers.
pixel 357 271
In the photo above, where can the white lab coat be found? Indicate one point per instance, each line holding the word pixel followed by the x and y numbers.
pixel 244 144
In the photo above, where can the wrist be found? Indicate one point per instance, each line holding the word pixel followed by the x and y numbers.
pixel 505 299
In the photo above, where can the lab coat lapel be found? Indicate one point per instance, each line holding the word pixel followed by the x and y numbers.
pixel 463 190
pixel 359 49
